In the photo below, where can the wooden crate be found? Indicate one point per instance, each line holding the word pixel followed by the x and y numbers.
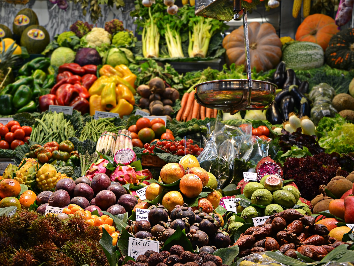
pixel 152 161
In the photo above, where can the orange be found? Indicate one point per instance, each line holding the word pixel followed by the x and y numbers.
pixel 190 185
pixel 201 173
pixel 171 172
pixel 27 198
pixel 338 232
pixel 214 198
pixel 171 199
pixel 330 223
pixel 336 207
pixel 205 205
pixel 9 188
pixel 152 191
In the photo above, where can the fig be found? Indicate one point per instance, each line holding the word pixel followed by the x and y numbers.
pixel 116 209
pixel 143 234
pixel 128 202
pixel 41 209
pixel 83 190
pixel 105 198
pixel 93 208
pixel 83 179
pixel 66 184
pixel 117 189
pixel 43 197
pixel 59 198
pixel 100 182
pixel 81 201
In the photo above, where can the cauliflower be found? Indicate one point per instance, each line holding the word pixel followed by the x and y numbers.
pixel 96 38
pixel 65 37
pixel 122 38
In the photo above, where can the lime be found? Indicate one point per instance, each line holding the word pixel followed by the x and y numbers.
pixel 212 183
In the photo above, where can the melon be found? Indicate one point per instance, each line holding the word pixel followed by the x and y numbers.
pixel 35 38
pixel 5 32
pixel 303 55
pixel 23 19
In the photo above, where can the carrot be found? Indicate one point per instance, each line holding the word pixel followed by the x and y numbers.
pixel 183 105
pixel 189 105
pixel 196 110
pixel 190 115
pixel 202 112
pixel 215 113
pixel 208 112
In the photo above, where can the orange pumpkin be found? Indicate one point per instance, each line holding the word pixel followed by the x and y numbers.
pixel 265 46
pixel 317 28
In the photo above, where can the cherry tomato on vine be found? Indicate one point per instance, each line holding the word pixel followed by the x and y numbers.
pixel 256 132
pixel 264 130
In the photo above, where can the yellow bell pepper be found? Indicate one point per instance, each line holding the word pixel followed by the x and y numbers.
pixel 118 80
pixel 98 85
pixel 123 108
pixel 122 92
pixel 127 74
pixel 108 96
pixel 95 104
pixel 109 71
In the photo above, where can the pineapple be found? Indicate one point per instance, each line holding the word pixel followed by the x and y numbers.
pixel 7 60
pixel 26 174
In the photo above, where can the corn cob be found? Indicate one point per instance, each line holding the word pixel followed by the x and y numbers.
pixel 306 8
pixel 296 8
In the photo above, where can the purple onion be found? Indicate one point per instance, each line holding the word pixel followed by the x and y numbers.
pixel 62 4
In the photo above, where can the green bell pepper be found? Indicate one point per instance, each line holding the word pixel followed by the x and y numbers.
pixel 36 89
pixel 22 96
pixel 25 70
pixel 41 63
pixel 6 107
pixel 12 88
pixel 49 82
pixel 51 70
pixel 39 76
pixel 30 107
pixel 20 77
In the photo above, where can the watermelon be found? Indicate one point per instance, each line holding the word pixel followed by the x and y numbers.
pixel 35 38
pixel 303 55
pixel 23 19
pixel 5 32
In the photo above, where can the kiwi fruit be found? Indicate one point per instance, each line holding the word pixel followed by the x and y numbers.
pixel 339 185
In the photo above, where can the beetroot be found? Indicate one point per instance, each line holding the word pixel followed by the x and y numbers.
pixel 100 182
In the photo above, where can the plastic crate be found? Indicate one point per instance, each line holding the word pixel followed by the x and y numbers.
pixel 152 161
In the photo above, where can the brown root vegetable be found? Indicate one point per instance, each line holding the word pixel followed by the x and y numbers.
pixel 315 240
pixel 144 91
pixel 278 224
pixel 167 110
pixel 167 94
pixel 144 103
pixel 157 109
pixel 291 253
pixel 167 102
pixel 295 227
pixel 154 103
pixel 155 97
pixel 245 241
pixel 175 95
pixel 157 85
pixel 271 244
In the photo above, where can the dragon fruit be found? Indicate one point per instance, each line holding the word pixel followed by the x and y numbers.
pixel 96 168
pixel 124 175
pixel 125 156
pixel 306 202
pixel 144 174
pixel 266 166
pixel 241 185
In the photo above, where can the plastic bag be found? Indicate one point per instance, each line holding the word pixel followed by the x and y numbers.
pixel 322 100
pixel 257 259
pixel 323 110
pixel 322 89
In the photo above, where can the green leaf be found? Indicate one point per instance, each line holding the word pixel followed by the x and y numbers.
pixel 123 242
pixel 178 238
pixel 156 200
pixel 330 194
pixel 329 215
pixel 304 258
pixel 33 206
pixel 120 221
pixel 108 248
pixel 95 212
pixel 279 257
pixel 337 254
pixel 7 210
pixel 23 189
pixel 220 210
pixel 230 190
pixel 227 254
pixel 108 158
pixel 174 184
pixel 137 165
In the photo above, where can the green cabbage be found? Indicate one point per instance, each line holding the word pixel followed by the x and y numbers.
pixel 61 56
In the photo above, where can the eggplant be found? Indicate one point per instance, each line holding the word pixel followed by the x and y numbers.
pixel 280 75
pixel 294 91
pixel 273 114
pixel 298 81
pixel 304 87
pixel 287 106
pixel 281 95
pixel 290 78
pixel 304 108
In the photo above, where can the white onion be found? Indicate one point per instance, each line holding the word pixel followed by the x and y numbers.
pixel 308 127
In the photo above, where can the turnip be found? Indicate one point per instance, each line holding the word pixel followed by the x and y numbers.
pixel 147 3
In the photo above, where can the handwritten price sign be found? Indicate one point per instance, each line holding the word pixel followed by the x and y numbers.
pixel 53 210
pixel 141 193
pixel 137 246
pixel 249 177
pixel 142 214
pixel 231 204
pixel 259 220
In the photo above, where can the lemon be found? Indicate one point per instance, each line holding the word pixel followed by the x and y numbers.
pixel 189 161
pixel 212 183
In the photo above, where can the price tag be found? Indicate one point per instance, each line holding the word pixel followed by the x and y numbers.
pixel 249 177
pixel 66 110
pixel 259 220
pixel 351 226
pixel 11 213
pixel 230 204
pixel 141 193
pixel 137 246
pixel 100 114
pixel 142 214
pixel 141 112
pixel 5 120
pixel 53 210
pixel 153 117
pixel 3 166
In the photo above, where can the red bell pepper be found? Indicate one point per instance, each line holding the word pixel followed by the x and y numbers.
pixel 82 90
pixel 65 74
pixel 46 100
pixel 70 80
pixel 88 80
pixel 81 104
pixel 66 93
pixel 90 69
pixel 73 68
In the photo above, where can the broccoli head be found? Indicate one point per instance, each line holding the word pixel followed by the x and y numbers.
pixel 114 26
pixel 122 38
pixel 65 36
pixel 81 28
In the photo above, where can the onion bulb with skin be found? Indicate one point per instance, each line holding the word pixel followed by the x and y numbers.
pixel 147 3
pixel 287 127
pixel 169 2
pixel 294 121
pixel 308 127
pixel 172 10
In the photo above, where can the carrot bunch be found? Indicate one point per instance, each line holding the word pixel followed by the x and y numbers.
pixel 191 109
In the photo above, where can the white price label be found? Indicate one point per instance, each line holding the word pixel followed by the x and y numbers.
pixel 5 120
pixel 259 220
pixel 11 213
pixel 100 114
pixel 351 226
pixel 141 193
pixel 53 210
pixel 153 117
pixel 3 166
pixel 231 204
pixel 142 214
pixel 249 177
pixel 66 110
pixel 137 246
pixel 141 112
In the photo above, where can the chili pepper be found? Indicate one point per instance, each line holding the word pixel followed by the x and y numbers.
pixel 127 74
pixel 22 96
pixel 109 71
pixel 123 108
pixel 81 104
pixel 90 69
pixel 12 88
pixel 41 63
pixel 30 107
pixel 73 68
pixel 108 96
pixel 88 80
pixel 51 70
pixel 46 100
pixel 98 85
pixel 118 80
pixel 82 90
pixel 49 82
pixel 6 107
pixel 66 93
pixel 36 89
pixel 65 74
pixel 122 92
pixel 39 76
pixel 52 144
pixel 61 155
pixel 70 80
pixel 66 145
pixel 95 104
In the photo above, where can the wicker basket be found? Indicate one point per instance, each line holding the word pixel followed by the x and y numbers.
pixel 152 161
pixel 7 79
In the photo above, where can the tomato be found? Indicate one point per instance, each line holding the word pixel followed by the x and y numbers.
pixel 167 136
pixel 159 143
pixel 3 130
pixel 164 142
pixel 190 141
pixel 173 148
pixel 19 134
pixel 12 123
pixel 14 128
pixel 28 130
pixel 4 145
pixel 9 137
pixel 182 142
pixel 169 131
pixel 245 127
pixel 256 132
pixel 168 145
pixel 26 139
pixel 134 135
pixel 146 151
pixel 146 145
pixel 263 137
pixel 16 143
pixel 137 143
pixel 264 130
pixel 142 123
pixel 158 120
pixel 180 152
pixel 180 147
pixel 133 129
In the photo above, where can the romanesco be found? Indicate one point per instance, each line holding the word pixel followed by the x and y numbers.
pixel 65 36
pixel 122 38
